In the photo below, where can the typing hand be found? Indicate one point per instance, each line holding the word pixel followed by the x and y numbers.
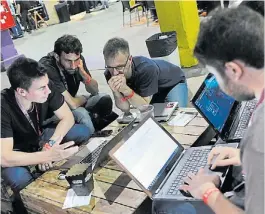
pixel 59 152
pixel 197 184
pixel 226 156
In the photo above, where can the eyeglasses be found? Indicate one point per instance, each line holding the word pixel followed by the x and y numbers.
pixel 119 68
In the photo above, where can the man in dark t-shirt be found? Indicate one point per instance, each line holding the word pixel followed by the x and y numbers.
pixel 22 9
pixel 139 81
pixel 67 69
pixel 24 140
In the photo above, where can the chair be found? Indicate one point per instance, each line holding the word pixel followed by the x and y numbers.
pixel 126 6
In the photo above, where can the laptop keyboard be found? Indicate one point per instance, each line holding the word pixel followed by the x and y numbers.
pixel 245 117
pixel 196 160
pixel 92 157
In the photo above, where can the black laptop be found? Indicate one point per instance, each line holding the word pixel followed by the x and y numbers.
pixel 157 162
pixel 228 117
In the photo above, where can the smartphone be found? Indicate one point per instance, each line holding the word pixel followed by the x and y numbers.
pixel 103 133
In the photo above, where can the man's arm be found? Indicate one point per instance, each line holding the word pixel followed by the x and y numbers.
pixel 18 11
pixel 10 158
pixel 90 83
pixel 74 102
pixel 136 100
pixel 124 106
pixel 66 121
pixel 219 204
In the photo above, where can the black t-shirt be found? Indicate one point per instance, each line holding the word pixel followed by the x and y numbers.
pixel 152 77
pixel 15 124
pixel 57 75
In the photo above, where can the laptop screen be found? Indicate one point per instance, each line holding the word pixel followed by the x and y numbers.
pixel 214 104
pixel 146 154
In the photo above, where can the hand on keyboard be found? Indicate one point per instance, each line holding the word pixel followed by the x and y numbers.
pixel 225 156
pixel 197 184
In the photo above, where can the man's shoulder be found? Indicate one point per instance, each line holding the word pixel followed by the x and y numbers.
pixel 7 99
pixel 142 64
pixel 142 60
pixel 48 60
pixel 255 132
pixel 50 64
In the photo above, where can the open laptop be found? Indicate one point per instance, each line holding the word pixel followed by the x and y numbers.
pixel 157 162
pixel 96 151
pixel 228 117
pixel 162 113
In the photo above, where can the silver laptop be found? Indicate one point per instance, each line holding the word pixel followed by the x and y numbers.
pixel 157 162
pixel 162 113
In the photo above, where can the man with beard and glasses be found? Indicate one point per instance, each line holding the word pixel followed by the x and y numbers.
pixel 67 69
pixel 231 46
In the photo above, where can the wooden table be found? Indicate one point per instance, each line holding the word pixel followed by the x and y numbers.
pixel 114 192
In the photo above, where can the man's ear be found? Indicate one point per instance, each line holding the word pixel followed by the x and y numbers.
pixel 233 71
pixel 56 56
pixel 21 92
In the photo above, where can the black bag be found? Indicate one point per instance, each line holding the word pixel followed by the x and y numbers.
pixel 162 47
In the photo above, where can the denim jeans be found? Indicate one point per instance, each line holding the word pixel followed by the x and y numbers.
pixel 179 94
pixel 100 108
pixel 82 116
pixel 19 177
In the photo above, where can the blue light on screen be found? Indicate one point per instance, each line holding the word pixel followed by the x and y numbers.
pixel 214 103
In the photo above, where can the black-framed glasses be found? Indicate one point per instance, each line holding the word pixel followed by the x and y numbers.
pixel 119 68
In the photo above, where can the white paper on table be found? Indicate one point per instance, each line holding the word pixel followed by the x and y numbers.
pixel 73 200
pixel 182 118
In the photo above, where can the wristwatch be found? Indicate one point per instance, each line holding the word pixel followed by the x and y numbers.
pixel 49 144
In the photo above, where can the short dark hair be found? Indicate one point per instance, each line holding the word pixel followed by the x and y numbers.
pixel 114 46
pixel 68 44
pixel 258 6
pixel 230 34
pixel 23 71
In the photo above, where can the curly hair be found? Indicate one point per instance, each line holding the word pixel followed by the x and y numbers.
pixel 68 44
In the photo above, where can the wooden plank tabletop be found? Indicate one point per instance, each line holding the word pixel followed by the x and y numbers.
pixel 114 191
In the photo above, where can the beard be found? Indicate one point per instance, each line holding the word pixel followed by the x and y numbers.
pixel 238 92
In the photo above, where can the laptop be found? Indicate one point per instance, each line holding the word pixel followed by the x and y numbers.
pixel 157 162
pixel 96 151
pixel 228 117
pixel 162 113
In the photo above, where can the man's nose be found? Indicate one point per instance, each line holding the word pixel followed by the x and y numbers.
pixel 47 90
pixel 73 65
pixel 115 72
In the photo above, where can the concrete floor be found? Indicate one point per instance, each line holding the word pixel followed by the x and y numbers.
pixel 93 31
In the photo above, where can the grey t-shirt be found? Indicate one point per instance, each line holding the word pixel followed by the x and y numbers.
pixel 252 157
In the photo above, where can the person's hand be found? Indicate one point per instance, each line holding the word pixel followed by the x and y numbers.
pixel 115 83
pixel 82 71
pixel 81 65
pixel 123 86
pixel 198 184
pixel 44 167
pixel 226 156
pixel 59 152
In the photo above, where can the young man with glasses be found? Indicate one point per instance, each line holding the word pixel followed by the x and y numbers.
pixel 67 69
pixel 139 80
